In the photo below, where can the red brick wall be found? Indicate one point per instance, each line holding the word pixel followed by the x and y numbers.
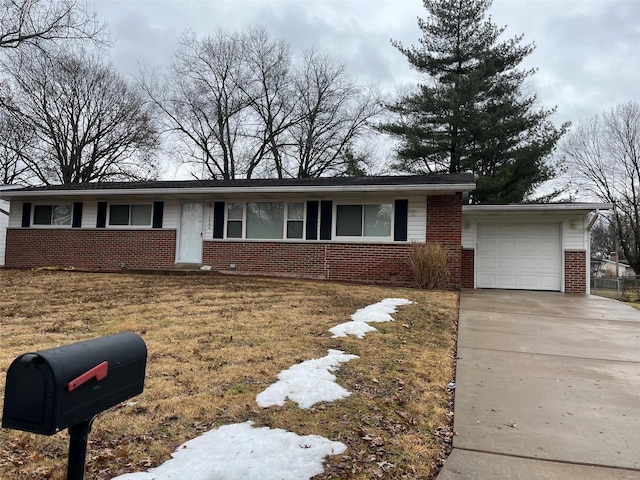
pixel 361 262
pixel 444 227
pixel 90 249
pixel 468 268
pixel 575 271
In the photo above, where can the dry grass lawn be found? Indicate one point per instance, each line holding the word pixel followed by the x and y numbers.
pixel 216 342
pixel 630 296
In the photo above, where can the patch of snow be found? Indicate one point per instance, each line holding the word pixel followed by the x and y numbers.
pixel 379 312
pixel 241 452
pixel 359 329
pixel 374 313
pixel 307 383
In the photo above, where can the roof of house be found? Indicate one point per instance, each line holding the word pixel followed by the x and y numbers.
pixel 622 263
pixel 522 208
pixel 414 183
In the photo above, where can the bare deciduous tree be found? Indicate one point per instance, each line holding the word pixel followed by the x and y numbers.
pixel 603 241
pixel 333 113
pixel 87 123
pixel 603 156
pixel 34 21
pixel 15 140
pixel 271 98
pixel 241 109
pixel 202 102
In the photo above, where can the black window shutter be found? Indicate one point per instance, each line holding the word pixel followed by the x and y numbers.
pixel 401 213
pixel 77 215
pixel 218 219
pixel 312 220
pixel 326 212
pixel 158 212
pixel 101 222
pixel 26 214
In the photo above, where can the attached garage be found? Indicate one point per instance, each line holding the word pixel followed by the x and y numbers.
pixel 516 256
pixel 527 247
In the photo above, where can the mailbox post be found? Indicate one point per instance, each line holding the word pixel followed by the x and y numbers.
pixel 66 387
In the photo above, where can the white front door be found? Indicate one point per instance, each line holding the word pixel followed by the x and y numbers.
pixel 190 239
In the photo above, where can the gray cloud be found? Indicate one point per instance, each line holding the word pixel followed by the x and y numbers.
pixel 586 52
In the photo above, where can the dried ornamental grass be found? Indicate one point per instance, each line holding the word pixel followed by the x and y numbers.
pixel 430 266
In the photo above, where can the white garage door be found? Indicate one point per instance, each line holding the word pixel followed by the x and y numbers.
pixel 526 257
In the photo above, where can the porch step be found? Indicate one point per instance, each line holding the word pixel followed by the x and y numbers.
pixel 187 266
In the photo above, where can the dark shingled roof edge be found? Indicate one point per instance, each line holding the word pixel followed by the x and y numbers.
pixel 434 179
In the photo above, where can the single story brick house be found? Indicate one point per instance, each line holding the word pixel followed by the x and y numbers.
pixel 344 229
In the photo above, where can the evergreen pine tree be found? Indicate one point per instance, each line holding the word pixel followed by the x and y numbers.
pixel 472 113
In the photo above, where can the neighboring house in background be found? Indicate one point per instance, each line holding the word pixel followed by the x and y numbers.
pixel 607 268
pixel 343 229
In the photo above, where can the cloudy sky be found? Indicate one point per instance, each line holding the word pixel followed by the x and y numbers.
pixel 587 50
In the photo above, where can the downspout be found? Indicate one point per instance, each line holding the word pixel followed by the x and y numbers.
pixel 596 214
pixel 590 225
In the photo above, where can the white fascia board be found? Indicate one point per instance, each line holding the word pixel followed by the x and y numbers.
pixel 538 208
pixel 247 191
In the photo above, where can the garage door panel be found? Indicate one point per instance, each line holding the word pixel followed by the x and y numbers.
pixel 507 263
pixel 528 231
pixel 507 281
pixel 525 256
pixel 488 248
pixel 548 282
pixel 527 264
pixel 544 245
pixel 507 231
pixel 487 264
pixel 506 248
pixel 548 265
pixel 528 281
pixel 526 248
pixel 490 281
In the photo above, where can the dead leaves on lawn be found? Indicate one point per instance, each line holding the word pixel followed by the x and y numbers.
pixel 215 343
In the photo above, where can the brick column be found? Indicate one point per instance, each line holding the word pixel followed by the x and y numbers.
pixel 468 268
pixel 444 227
pixel 575 271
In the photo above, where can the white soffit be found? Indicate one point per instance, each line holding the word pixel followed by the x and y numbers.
pixel 538 208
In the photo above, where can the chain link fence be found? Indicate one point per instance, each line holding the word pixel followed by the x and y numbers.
pixel 623 288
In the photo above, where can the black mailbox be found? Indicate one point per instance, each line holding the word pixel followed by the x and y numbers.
pixel 54 389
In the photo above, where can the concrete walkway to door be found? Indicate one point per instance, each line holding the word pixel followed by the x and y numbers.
pixel 548 387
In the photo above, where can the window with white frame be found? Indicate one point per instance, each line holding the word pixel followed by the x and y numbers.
pixel 130 215
pixel 52 214
pixel 265 220
pixel 295 220
pixel 235 216
pixel 367 220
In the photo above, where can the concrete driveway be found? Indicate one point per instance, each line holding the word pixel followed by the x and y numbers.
pixel 548 387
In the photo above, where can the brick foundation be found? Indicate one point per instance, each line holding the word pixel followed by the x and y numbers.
pixel 90 249
pixel 444 227
pixel 575 271
pixel 361 262
pixel 468 268
pixel 109 250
